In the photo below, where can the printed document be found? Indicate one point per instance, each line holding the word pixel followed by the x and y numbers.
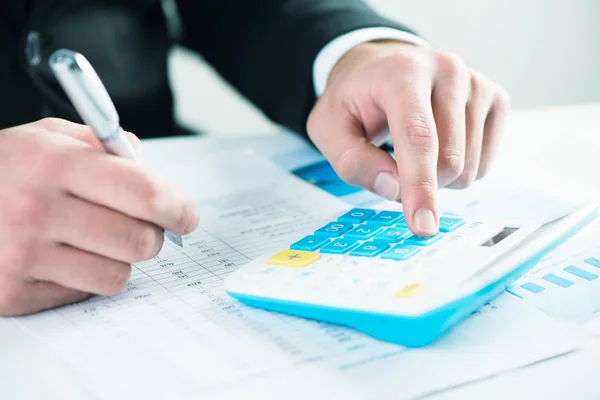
pixel 174 333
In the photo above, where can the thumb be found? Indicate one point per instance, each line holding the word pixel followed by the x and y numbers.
pixel 341 139
pixel 85 134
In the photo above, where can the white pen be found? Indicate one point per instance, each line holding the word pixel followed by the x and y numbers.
pixel 88 95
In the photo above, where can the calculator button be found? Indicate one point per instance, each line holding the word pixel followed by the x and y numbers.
pixel 449 224
pixel 310 243
pixel 334 229
pixel 294 258
pixel 393 235
pixel 401 223
pixel 423 241
pixel 370 249
pixel 400 253
pixel 339 246
pixel 363 231
pixel 409 290
pixel 357 215
pixel 387 218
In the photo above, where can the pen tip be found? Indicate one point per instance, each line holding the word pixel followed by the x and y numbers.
pixel 176 239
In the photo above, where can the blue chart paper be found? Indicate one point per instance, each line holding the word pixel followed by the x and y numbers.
pixel 309 165
pixel 566 284
pixel 322 175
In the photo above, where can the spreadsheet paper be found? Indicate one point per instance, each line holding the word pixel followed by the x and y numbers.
pixel 175 333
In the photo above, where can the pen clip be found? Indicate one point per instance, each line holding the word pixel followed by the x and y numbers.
pixel 86 92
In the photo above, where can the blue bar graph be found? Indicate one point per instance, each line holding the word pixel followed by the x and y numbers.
pixel 557 280
pixel 583 274
pixel 532 287
pixel 592 261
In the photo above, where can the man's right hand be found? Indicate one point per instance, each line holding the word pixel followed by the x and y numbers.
pixel 73 219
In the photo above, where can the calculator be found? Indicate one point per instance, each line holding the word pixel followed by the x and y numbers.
pixel 364 269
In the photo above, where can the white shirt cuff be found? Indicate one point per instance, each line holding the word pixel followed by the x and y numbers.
pixel 329 55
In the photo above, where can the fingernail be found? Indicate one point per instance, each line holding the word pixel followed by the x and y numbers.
pixel 386 186
pixel 425 221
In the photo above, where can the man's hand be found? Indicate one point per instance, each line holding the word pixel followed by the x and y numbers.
pixel 445 121
pixel 73 218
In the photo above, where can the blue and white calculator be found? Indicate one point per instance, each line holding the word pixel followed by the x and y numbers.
pixel 364 269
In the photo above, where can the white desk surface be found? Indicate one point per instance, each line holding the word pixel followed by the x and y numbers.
pixel 563 142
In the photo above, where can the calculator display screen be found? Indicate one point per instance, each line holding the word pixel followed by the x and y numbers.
pixel 503 234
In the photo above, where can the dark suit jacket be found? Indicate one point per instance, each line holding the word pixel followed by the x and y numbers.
pixel 265 48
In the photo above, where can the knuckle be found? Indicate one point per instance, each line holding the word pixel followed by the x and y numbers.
pixel 480 88
pixel 449 63
pixel 50 123
pixel 423 188
pixel 149 190
pixel 420 131
pixel 400 62
pixel 45 161
pixel 424 185
pixel 452 163
pixel 348 165
pixel 503 100
pixel 314 121
pixel 144 242
pixel 118 280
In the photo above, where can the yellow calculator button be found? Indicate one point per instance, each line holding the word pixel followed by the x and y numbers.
pixel 294 258
pixel 409 290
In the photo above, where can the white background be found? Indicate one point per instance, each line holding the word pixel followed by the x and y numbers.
pixel 543 52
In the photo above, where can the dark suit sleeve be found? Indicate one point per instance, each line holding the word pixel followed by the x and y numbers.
pixel 266 48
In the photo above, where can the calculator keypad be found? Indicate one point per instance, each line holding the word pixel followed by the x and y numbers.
pixel 365 249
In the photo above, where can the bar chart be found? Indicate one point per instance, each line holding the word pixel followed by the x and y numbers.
pixel 567 289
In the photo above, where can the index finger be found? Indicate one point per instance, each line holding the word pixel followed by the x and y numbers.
pixel 125 186
pixel 407 105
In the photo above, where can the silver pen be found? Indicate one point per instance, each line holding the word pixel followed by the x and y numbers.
pixel 88 95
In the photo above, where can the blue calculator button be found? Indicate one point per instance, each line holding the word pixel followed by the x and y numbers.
pixel 309 243
pixel 387 218
pixel 449 224
pixel 423 241
pixel 334 229
pixel 393 235
pixel 370 249
pixel 400 252
pixel 357 215
pixel 339 246
pixel 364 231
pixel 401 223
